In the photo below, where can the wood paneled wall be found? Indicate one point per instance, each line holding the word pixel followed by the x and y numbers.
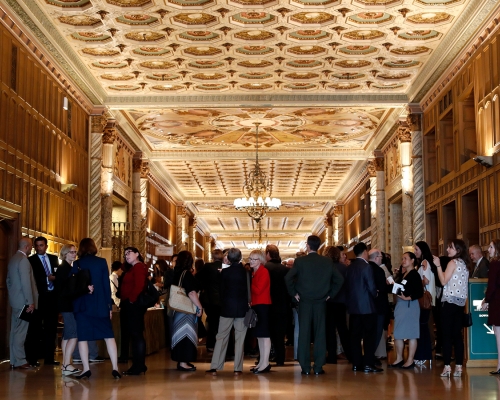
pixel 463 122
pixel 161 214
pixel 41 147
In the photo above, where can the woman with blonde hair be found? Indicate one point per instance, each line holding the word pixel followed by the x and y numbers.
pixel 492 297
pixel 65 306
pixel 261 301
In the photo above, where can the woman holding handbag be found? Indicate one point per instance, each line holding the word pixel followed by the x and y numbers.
pixel 426 271
pixel 131 312
pixel 184 325
pixel 261 301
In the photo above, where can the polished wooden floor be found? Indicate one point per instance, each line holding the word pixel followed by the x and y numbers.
pixel 163 381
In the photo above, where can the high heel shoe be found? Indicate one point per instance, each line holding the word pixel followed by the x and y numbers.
pixel 116 374
pixel 458 371
pixel 263 371
pixel 86 374
pixel 396 365
pixel 446 371
pixel 67 371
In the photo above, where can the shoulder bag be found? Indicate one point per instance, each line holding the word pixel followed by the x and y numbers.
pixel 425 302
pixel 178 300
pixel 149 296
pixel 78 283
pixel 251 316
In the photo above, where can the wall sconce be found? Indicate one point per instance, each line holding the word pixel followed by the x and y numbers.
pixel 65 104
pixel 67 187
pixel 485 161
pixel 405 153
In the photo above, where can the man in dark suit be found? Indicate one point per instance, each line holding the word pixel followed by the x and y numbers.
pixel 209 281
pixel 481 265
pixel 42 332
pixel 313 280
pixel 381 301
pixel 361 293
pixel 280 302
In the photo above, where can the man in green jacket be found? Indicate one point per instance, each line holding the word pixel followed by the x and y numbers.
pixel 313 280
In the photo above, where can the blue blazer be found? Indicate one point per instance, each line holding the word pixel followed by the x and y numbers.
pixel 99 303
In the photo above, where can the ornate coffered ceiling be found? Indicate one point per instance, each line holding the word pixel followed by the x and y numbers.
pixel 186 79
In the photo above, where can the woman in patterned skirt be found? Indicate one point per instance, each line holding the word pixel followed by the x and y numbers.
pixel 185 326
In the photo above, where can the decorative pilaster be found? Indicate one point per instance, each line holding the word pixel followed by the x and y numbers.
pixel 404 135
pixel 207 250
pixel 139 202
pixel 97 124
pixel 414 122
pixel 381 220
pixel 192 234
pixel 372 171
pixel 180 221
pixel 338 224
pixel 108 138
pixel 329 231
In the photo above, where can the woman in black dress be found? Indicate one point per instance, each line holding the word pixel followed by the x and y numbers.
pixel 185 326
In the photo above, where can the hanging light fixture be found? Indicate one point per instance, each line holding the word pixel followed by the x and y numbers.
pixel 256 190
pixel 257 245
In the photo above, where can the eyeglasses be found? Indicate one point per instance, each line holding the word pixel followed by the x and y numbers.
pixel 254 259
pixel 128 252
pixel 72 252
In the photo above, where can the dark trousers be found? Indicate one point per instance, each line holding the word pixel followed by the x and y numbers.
pixel 336 320
pixel 277 327
pixel 363 327
pixel 213 317
pixel 436 314
pixel 312 315
pixel 132 316
pixel 42 332
pixel 452 325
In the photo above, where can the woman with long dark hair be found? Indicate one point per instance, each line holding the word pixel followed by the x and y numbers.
pixel 185 326
pixel 131 312
pixel 407 312
pixel 426 271
pixel 455 290
pixel 93 311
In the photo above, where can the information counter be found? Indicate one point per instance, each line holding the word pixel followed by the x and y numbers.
pixel 154 332
pixel 481 348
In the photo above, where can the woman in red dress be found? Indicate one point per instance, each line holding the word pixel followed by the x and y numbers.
pixel 492 297
pixel 261 301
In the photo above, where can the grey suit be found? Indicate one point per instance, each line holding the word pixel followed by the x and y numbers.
pixel 481 269
pixel 22 291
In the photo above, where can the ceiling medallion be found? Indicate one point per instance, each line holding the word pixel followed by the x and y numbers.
pixel 440 2
pixel 203 51
pixel 206 64
pixel 212 86
pixel 253 3
pixel 410 51
pixel 170 88
pixel 371 18
pixel 385 3
pixel 430 18
pixel 253 18
pixel 315 3
pixel 163 77
pixel 191 4
pixel 402 64
pixel 100 52
pixel 349 76
pixel 353 63
pixel 309 34
pixel 255 75
pixel 110 64
pixel 256 86
pixel 80 21
pixel 157 64
pixel 356 50
pixel 254 50
pixel 148 51
pixel 145 36
pixel 255 64
pixel 389 86
pixel 130 3
pixel 209 77
pixel 125 87
pixel 304 64
pixel 194 19
pixel 256 189
pixel 91 37
pixel 301 75
pixel 364 35
pixel 138 19
pixel 300 86
pixel 313 18
pixel 394 77
pixel 198 36
pixel 68 5
pixel 344 86
pixel 117 77
pixel 419 35
pixel 254 35
pixel 306 50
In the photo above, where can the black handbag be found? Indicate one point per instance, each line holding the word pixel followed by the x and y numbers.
pixel 78 283
pixel 149 296
pixel 467 320
pixel 250 319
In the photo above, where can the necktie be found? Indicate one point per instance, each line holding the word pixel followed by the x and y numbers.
pixel 47 272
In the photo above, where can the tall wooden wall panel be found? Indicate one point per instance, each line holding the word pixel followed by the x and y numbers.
pixel 161 214
pixel 36 153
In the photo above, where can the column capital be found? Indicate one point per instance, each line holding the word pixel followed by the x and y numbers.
pixel 97 123
pixel 372 167
pixel 338 210
pixel 109 134
pixel 141 166
pixel 414 121
pixel 379 163
pixel 404 132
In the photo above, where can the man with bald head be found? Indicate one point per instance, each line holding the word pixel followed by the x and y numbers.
pixel 22 291
pixel 481 265
pixel 381 301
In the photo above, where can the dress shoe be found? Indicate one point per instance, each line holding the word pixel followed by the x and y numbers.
pixel 263 371
pixel 116 374
pixel 24 366
pixel 305 372
pixel 212 371
pixel 135 371
pixel 192 368
pixel 322 372
pixel 86 374
pixel 396 365
pixel 412 365
pixel 51 362
pixel 372 368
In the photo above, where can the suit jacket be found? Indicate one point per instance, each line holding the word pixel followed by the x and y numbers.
pixel 280 299
pixel 314 278
pixel 360 288
pixel 21 282
pixel 99 303
pixel 233 291
pixel 39 271
pixel 209 282
pixel 381 301
pixel 481 271
pixel 340 297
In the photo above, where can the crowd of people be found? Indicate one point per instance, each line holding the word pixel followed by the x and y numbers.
pixel 348 308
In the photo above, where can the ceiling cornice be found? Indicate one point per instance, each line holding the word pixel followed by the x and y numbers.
pixel 475 15
pixel 293 199
pixel 163 182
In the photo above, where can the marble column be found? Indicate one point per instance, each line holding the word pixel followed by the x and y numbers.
pixel 108 161
pixel 338 233
pixel 139 202
pixel 372 172
pixel 414 122
pixel 207 247
pixel 97 124
pixel 192 234
pixel 329 231
pixel 381 207
pixel 180 225
pixel 404 134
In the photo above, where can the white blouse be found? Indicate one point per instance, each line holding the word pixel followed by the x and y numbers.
pixel 431 286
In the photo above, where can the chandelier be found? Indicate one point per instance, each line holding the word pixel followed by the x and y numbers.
pixel 257 245
pixel 256 190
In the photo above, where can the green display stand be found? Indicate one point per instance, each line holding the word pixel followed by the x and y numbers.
pixel 481 343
